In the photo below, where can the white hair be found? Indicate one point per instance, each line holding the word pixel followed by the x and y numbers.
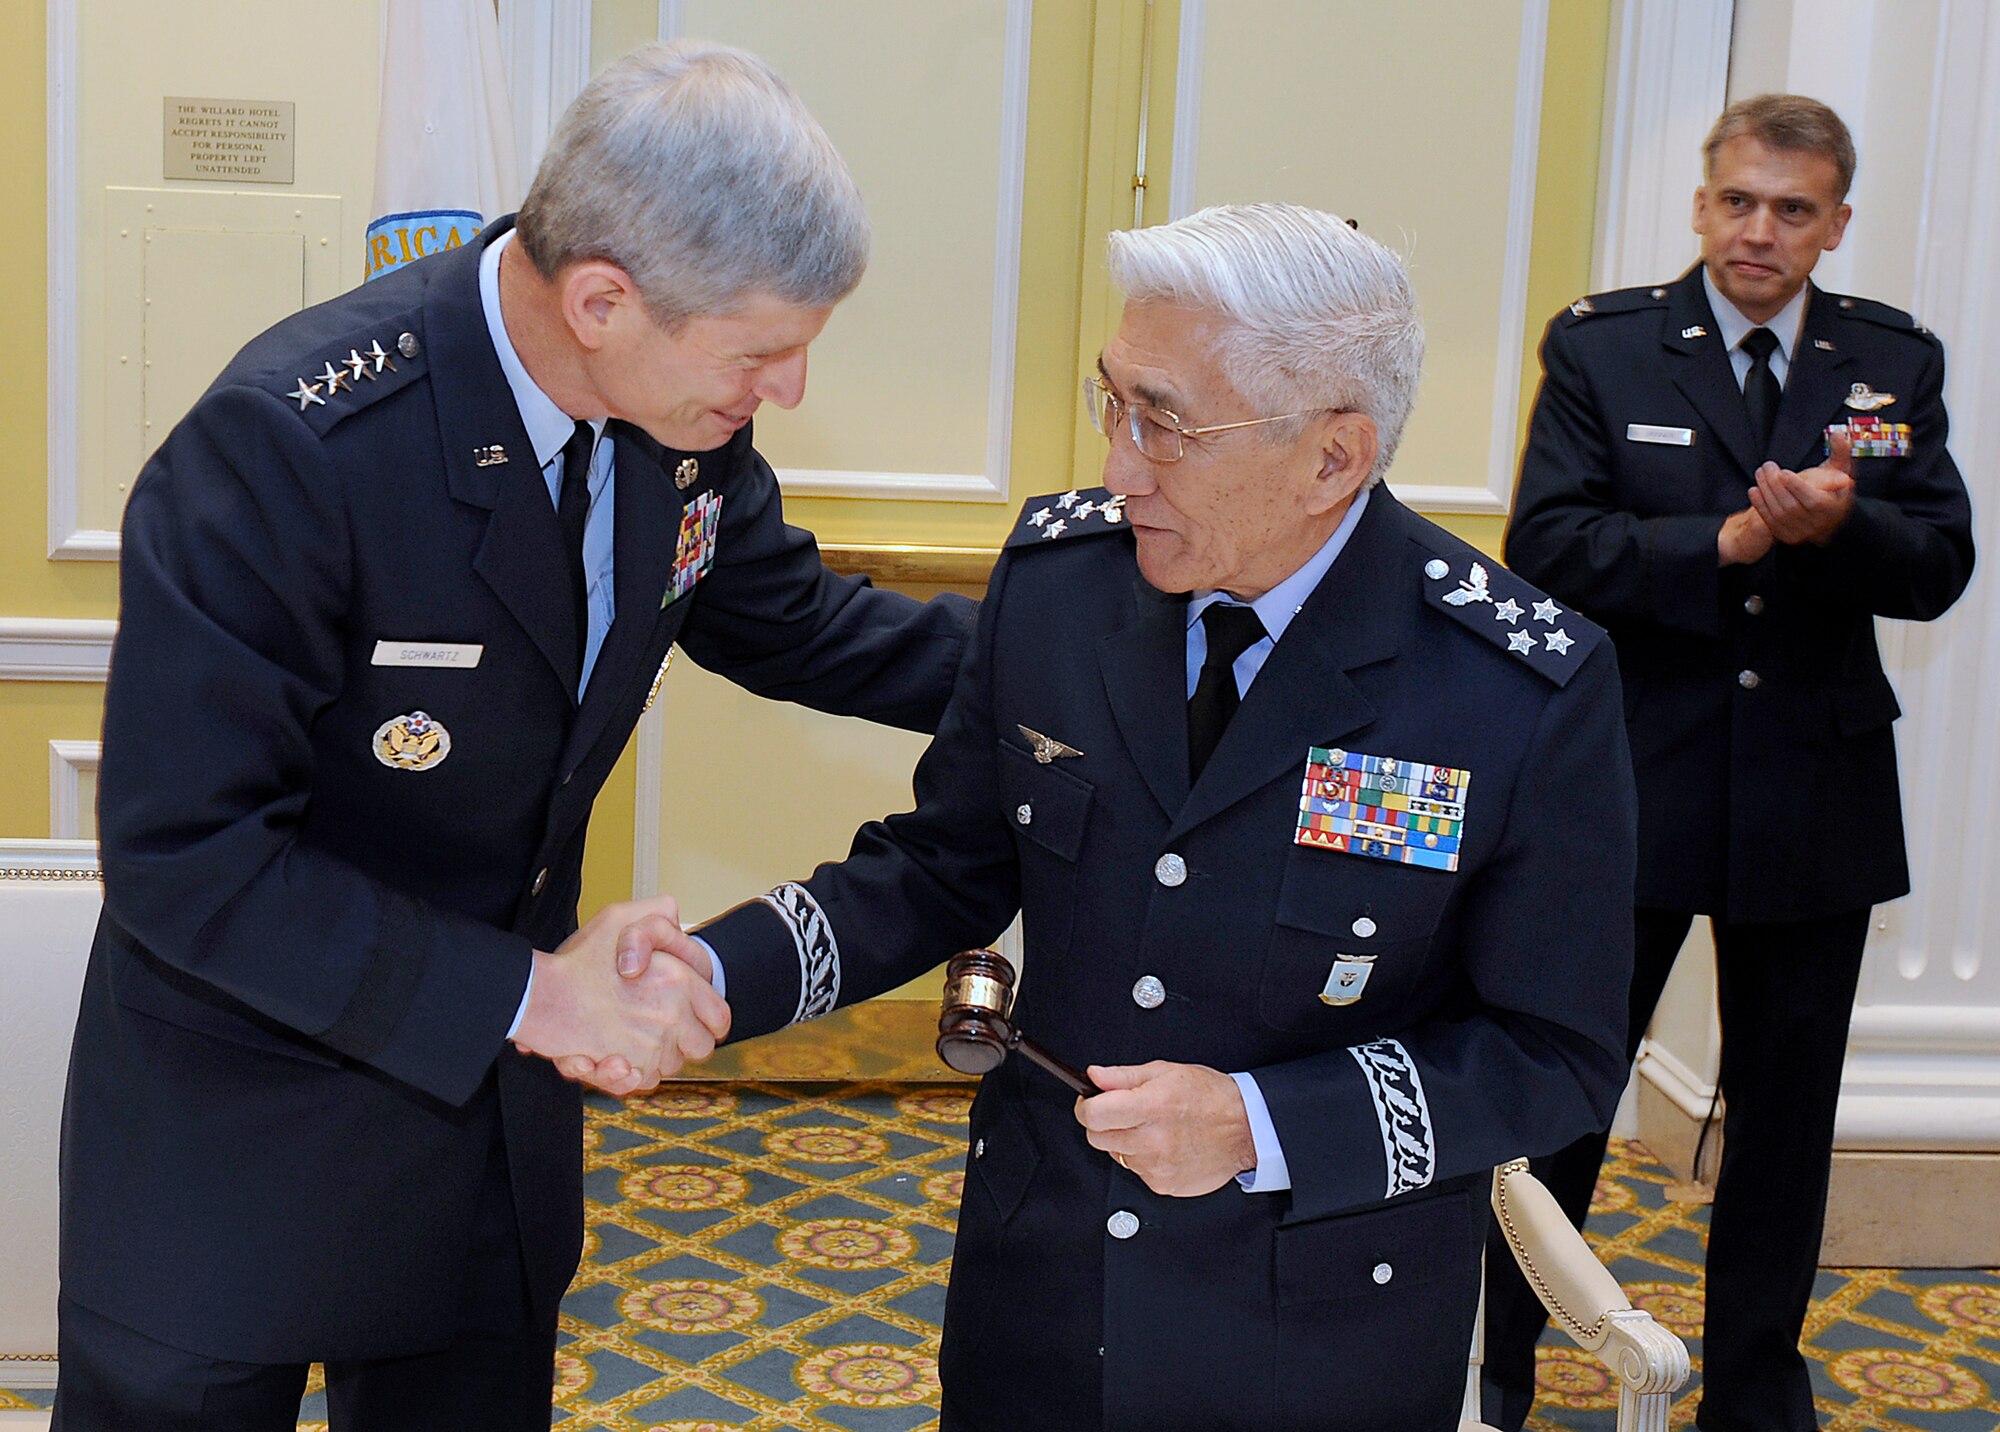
pixel 1315 314
pixel 697 170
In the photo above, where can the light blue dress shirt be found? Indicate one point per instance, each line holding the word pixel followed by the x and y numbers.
pixel 1275 609
pixel 1786 325
pixel 549 427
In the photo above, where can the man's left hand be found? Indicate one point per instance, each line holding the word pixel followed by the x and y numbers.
pixel 1180 1127
pixel 1807 506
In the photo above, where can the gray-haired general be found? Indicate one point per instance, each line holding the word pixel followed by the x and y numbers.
pixel 394 594
pixel 1320 824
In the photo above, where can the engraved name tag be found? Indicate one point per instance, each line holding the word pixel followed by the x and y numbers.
pixel 427 653
pixel 1647 433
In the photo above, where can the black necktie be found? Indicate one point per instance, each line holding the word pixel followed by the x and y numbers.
pixel 1232 630
pixel 572 513
pixel 1760 387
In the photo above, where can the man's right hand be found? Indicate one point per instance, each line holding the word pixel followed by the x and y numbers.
pixel 633 1030
pixel 1744 539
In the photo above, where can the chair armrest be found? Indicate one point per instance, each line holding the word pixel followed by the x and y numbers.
pixel 1581 1296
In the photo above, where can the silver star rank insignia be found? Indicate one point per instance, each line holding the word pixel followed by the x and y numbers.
pixel 1508 611
pixel 1547 611
pixel 307 394
pixel 1558 641
pixel 1047 748
pixel 1521 641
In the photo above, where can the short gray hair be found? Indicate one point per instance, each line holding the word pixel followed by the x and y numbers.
pixel 1316 314
pixel 697 170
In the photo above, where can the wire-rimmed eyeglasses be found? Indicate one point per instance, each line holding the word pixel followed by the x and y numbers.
pixel 1156 431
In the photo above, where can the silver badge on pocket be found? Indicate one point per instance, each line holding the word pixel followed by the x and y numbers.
pixel 1346 980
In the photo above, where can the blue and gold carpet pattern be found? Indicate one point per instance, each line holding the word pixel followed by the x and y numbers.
pixel 772 1257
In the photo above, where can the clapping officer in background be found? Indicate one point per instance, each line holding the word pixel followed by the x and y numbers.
pixel 1320 825
pixel 1736 473
pixel 394 594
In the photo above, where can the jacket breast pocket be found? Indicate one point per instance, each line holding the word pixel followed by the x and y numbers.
pixel 1048 810
pixel 1350 930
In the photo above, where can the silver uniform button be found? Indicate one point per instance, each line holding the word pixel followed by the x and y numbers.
pixel 1383 1273
pixel 1754 605
pixel 1437 569
pixel 1363 928
pixel 407 345
pixel 541 879
pixel 979 1149
pixel 1170 870
pixel 1148 992
pixel 1122 1224
pixel 1024 813
pixel 1749 680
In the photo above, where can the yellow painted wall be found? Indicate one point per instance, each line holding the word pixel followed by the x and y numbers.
pixel 1084 78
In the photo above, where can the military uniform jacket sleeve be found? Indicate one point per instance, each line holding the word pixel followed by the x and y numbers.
pixel 257 842
pixel 1495 1025
pixel 1639 447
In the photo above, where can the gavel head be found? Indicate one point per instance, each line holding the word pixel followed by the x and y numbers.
pixel 974 1032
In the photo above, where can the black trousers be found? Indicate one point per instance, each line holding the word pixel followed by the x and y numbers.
pixel 497 1375
pixel 1786 993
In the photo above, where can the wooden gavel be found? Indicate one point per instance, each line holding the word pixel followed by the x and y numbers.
pixel 975 1026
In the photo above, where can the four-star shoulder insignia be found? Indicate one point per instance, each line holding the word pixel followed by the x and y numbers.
pixel 1061 516
pixel 1621 300
pixel 1492 602
pixel 1882 315
pixel 353 373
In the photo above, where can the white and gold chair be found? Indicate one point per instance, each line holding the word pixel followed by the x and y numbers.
pixel 49 899
pixel 1585 1301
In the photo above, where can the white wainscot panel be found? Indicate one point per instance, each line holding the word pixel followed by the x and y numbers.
pixel 1429 145
pixel 911 393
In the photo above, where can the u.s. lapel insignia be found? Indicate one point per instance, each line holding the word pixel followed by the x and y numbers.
pixel 415 742
pixel 492 456
pixel 1864 399
pixel 1346 980
pixel 1694 330
pixel 686 475
pixel 694 552
pixel 1386 809
pixel 1047 748
pixel 1823 345
pixel 659 679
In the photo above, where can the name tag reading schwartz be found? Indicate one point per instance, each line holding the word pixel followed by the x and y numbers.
pixel 1647 433
pixel 427 653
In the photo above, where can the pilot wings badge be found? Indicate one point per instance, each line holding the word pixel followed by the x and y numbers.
pixel 1047 748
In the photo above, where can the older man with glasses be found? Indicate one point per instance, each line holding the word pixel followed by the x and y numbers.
pixel 1321 825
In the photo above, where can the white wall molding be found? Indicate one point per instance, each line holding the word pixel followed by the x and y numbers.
pixel 66 538
pixel 649 800
pixel 68 760
pixel 55 648
pixel 1668 79
pixel 1504 445
pixel 1531 58
pixel 545 45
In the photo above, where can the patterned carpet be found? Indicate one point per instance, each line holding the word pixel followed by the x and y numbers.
pixel 772 1257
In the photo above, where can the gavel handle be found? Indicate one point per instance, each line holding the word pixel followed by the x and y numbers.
pixel 1072 1077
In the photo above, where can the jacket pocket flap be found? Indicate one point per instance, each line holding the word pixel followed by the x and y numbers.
pixel 1045 804
pixel 1375 1252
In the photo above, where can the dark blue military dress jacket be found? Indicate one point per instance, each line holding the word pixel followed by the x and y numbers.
pixel 1422 811
pixel 1760 718
pixel 344 792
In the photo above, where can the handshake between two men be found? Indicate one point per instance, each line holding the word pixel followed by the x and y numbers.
pixel 605 1012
